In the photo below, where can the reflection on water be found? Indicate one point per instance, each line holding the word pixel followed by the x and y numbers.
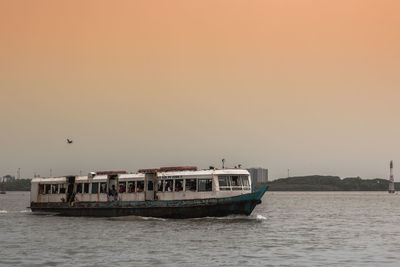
pixel 302 229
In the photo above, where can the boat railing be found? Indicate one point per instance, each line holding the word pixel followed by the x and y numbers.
pixel 234 188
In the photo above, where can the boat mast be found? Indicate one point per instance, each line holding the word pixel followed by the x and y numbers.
pixel 391 183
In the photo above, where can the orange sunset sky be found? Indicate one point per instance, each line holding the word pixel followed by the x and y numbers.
pixel 313 86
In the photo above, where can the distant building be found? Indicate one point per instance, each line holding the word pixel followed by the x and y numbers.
pixel 8 178
pixel 259 175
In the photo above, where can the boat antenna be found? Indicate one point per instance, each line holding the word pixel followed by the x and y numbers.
pixel 223 163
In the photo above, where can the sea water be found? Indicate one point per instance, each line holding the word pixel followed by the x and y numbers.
pixel 288 229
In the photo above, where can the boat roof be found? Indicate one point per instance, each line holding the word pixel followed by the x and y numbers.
pixel 232 171
pixel 126 176
pixel 49 180
pixel 123 177
pixel 205 172
pixel 185 173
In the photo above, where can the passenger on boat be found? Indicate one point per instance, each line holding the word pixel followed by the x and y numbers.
pixel 178 186
pixel 140 186
pixel 70 196
pixel 113 194
pixel 131 188
pixel 121 189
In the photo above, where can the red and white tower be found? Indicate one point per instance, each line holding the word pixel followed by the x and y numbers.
pixel 391 183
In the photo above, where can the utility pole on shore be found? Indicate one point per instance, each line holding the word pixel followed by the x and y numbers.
pixel 288 173
pixel 19 173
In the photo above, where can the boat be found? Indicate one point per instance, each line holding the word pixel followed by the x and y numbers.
pixel 169 192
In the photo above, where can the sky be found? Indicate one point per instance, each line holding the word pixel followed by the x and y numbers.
pixel 310 86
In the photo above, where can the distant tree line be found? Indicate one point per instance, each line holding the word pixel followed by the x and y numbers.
pixel 17 185
pixel 329 183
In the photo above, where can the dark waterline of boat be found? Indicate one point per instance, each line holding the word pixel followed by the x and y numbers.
pixel 288 228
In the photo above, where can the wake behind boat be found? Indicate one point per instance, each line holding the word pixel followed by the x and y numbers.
pixel 169 192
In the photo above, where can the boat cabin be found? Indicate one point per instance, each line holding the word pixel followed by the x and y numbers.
pixel 149 185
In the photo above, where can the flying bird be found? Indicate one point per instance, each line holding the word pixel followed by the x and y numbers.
pixel 69 141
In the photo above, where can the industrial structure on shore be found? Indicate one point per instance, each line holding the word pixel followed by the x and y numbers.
pixel 258 175
pixel 391 184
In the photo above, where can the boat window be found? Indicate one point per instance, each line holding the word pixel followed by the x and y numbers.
pixel 122 187
pixel 54 188
pixel 62 188
pixel 78 188
pixel 160 185
pixel 169 185
pixel 236 183
pixel 205 185
pixel 223 182
pixel 48 189
pixel 178 185
pixel 245 181
pixel 131 187
pixel 86 188
pixel 191 185
pixel 140 186
pixel 103 188
pixel 95 188
pixel 42 189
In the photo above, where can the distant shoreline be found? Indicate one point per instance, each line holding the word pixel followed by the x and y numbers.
pixel 18 185
pixel 328 183
pixel 300 183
